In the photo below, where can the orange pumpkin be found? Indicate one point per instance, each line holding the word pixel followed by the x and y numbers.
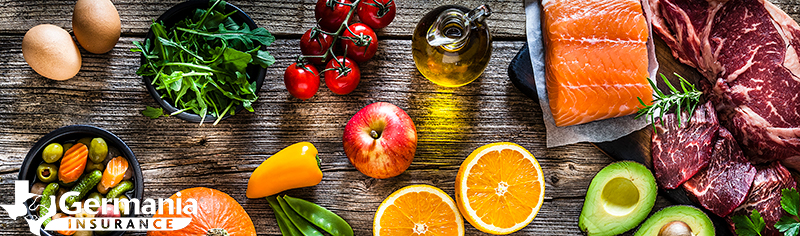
pixel 217 214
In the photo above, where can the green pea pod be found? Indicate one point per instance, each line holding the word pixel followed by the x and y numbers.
pixel 44 203
pixel 302 224
pixel 286 227
pixel 319 216
pixel 121 188
pixel 84 185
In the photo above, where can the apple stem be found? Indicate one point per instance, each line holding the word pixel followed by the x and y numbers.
pixel 375 134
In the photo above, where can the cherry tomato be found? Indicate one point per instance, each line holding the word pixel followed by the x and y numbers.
pixel 331 14
pixel 315 43
pixel 376 13
pixel 343 76
pixel 364 43
pixel 302 82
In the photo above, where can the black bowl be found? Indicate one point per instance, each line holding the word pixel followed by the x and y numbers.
pixel 73 133
pixel 178 13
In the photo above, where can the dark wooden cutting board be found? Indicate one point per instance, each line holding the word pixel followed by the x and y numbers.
pixel 633 147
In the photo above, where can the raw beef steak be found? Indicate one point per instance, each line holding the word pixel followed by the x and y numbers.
pixel 679 152
pixel 765 195
pixel 724 184
pixel 748 52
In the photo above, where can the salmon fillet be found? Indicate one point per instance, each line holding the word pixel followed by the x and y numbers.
pixel 596 59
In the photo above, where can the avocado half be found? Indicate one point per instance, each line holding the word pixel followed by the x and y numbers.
pixel 698 223
pixel 620 197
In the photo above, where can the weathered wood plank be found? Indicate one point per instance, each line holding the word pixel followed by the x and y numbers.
pixel 177 155
pixel 283 17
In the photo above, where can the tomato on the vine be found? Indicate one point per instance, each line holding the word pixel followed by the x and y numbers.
pixel 342 75
pixel 331 13
pixel 377 13
pixel 301 81
pixel 315 43
pixel 360 41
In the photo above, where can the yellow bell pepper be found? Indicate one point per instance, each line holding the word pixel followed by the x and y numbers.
pixel 295 166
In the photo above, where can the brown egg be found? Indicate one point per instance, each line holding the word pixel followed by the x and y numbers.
pixel 50 51
pixel 96 25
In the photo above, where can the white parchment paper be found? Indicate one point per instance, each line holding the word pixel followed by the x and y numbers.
pixel 597 131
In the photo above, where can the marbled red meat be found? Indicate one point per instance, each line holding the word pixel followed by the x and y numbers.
pixel 724 184
pixel 748 52
pixel 680 152
pixel 765 195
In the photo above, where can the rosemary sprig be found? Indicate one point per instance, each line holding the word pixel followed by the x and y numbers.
pixel 688 98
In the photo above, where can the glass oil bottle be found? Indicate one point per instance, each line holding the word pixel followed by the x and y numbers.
pixel 452 45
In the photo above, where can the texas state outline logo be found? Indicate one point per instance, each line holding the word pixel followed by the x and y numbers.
pixel 92 207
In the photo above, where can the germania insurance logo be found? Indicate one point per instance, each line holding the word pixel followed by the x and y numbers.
pixel 92 206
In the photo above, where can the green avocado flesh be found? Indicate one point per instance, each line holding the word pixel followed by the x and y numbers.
pixel 620 197
pixel 698 222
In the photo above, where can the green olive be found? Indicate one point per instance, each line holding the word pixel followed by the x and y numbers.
pixel 123 204
pixel 67 146
pixel 98 149
pixel 85 141
pixel 52 152
pixel 91 166
pixel 47 173
pixel 96 196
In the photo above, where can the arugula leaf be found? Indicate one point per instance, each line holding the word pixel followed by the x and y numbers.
pixel 788 225
pixel 263 58
pixel 153 112
pixel 751 226
pixel 199 64
pixel 237 58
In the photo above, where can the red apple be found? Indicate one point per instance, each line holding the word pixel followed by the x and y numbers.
pixel 380 140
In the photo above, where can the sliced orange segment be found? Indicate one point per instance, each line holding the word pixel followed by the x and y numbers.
pixel 418 210
pixel 500 188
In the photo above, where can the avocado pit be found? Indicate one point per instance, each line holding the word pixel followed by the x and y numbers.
pixel 676 228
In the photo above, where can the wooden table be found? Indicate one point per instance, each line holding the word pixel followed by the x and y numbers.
pixel 175 154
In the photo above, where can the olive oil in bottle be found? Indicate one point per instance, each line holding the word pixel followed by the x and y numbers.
pixel 452 45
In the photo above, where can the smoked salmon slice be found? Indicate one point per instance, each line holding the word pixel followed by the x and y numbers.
pixel 595 59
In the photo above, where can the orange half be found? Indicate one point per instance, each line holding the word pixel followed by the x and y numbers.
pixel 500 188
pixel 418 210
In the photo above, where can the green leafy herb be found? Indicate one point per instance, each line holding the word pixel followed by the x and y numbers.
pixel 687 98
pixel 752 226
pixel 790 200
pixel 200 64
pixel 153 112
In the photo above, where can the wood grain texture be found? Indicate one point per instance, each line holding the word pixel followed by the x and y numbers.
pixel 177 155
pixel 289 18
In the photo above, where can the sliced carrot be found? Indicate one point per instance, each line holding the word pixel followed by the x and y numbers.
pixel 66 232
pixel 73 163
pixel 115 170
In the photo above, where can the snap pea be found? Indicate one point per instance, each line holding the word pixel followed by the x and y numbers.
pixel 121 188
pixel 319 216
pixel 44 203
pixel 286 227
pixel 84 185
pixel 298 221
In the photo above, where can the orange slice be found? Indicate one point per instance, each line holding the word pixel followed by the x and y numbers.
pixel 418 210
pixel 500 188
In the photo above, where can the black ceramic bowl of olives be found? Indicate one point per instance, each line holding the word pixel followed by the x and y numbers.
pixel 86 159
